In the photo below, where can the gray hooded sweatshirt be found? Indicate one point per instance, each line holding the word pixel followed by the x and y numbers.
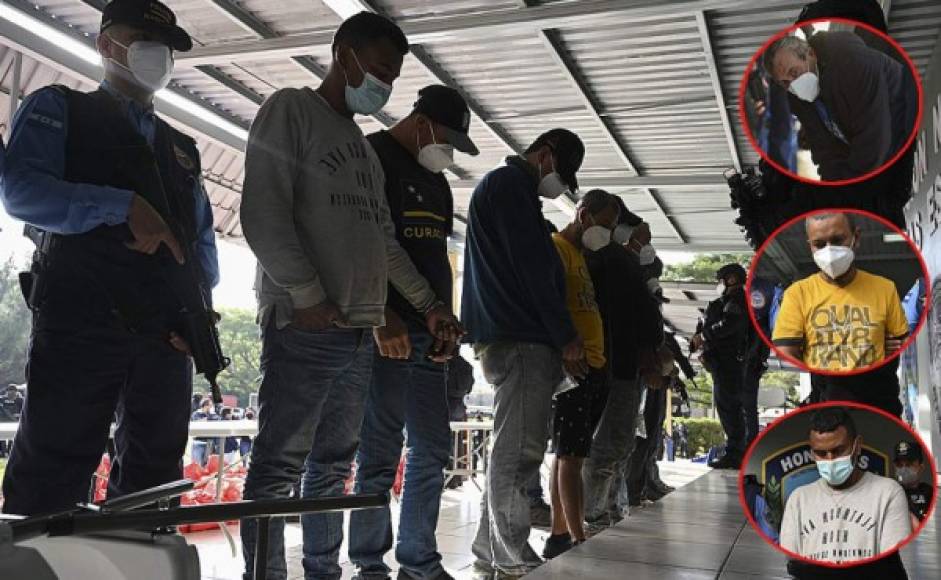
pixel 314 212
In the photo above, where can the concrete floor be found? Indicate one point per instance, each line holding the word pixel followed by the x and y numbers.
pixel 697 532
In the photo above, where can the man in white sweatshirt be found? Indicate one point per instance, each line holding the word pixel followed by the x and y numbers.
pixel 848 514
pixel 315 214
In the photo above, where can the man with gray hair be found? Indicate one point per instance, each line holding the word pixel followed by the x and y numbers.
pixel 857 105
pixel 841 318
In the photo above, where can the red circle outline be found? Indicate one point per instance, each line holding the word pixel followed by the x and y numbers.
pixel 793 555
pixel 799 363
pixel 743 119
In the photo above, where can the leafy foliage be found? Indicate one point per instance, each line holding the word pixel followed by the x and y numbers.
pixel 15 320
pixel 703 433
pixel 703 267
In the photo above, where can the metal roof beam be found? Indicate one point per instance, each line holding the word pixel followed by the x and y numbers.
pixel 710 56
pixel 710 182
pixel 572 75
pixel 485 24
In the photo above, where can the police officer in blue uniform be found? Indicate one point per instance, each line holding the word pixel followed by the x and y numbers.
pixel 112 196
pixel 721 335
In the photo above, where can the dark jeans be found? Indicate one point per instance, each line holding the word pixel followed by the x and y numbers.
pixel 79 379
pixel 310 411
pixel 411 395
pixel 750 385
pixel 727 379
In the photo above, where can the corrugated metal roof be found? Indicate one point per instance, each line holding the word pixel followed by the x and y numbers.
pixel 644 72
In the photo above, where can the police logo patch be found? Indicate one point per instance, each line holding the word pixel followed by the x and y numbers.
pixel 44 121
pixel 183 159
pixel 758 300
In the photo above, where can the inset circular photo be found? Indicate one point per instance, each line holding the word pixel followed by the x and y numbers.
pixel 839 277
pixel 838 484
pixel 831 101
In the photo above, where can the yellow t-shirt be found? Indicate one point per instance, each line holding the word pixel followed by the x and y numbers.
pixel 840 328
pixel 580 299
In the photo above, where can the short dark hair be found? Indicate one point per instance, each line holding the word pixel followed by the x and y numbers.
pixel 596 201
pixel 850 220
pixel 829 419
pixel 366 28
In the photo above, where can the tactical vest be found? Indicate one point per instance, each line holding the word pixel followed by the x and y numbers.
pixel 104 148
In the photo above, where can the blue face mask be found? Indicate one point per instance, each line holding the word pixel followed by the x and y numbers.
pixel 370 96
pixel 836 471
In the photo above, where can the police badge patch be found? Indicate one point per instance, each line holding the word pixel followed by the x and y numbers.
pixel 183 159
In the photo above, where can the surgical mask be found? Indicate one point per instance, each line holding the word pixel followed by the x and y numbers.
pixel 647 254
pixel 149 63
pixel 805 87
pixel 720 288
pixel 435 157
pixel 370 96
pixel 907 475
pixel 836 471
pixel 596 237
pixel 834 260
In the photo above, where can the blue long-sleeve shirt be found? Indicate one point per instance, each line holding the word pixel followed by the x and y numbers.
pixel 514 284
pixel 32 181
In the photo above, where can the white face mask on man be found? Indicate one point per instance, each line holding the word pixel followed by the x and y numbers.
pixel 806 87
pixel 595 238
pixel 435 157
pixel 646 255
pixel 149 64
pixel 551 185
pixel 834 261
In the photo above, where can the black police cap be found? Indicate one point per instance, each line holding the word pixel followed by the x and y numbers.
pixel 732 269
pixel 150 16
pixel 909 450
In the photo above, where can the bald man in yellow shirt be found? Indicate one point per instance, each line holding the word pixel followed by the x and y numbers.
pixel 841 318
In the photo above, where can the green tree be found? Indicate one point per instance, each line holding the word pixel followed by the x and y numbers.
pixel 14 326
pixel 240 340
pixel 702 268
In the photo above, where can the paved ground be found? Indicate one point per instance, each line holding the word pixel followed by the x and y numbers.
pixel 460 512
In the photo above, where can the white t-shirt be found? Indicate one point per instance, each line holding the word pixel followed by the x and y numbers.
pixel 866 520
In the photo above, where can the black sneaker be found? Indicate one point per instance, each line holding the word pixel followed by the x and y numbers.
pixel 540 515
pixel 556 545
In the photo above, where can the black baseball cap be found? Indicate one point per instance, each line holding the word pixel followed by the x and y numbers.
pixel 909 450
pixel 569 153
pixel 732 269
pixel 150 16
pixel 447 107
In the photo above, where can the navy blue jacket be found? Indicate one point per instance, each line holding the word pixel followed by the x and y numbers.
pixel 514 284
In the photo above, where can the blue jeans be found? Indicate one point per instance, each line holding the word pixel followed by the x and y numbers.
pixel 311 408
pixel 410 394
pixel 199 452
pixel 524 377
pixel 611 451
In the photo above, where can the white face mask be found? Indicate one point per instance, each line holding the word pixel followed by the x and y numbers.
pixel 647 254
pixel 622 234
pixel 551 186
pixel 834 261
pixel 149 63
pixel 907 475
pixel 805 87
pixel 435 157
pixel 596 237
pixel 720 288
